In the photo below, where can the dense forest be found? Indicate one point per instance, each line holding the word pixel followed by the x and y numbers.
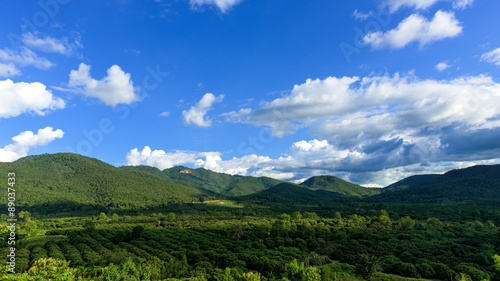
pixel 81 219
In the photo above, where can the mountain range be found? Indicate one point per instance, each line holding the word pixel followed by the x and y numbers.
pixel 52 179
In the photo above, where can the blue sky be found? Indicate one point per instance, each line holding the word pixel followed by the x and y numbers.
pixel 370 91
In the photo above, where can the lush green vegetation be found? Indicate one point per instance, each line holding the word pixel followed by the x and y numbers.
pixel 410 181
pixel 324 229
pixel 217 182
pixel 339 186
pixel 456 186
pixel 78 181
pixel 209 243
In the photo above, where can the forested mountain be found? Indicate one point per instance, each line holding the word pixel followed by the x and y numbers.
pixel 410 181
pixel 298 193
pixel 456 186
pixel 229 185
pixel 71 178
pixel 339 186
pixel 65 178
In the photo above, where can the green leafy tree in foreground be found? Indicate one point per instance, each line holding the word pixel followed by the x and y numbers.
pixel 51 269
pixel 368 266
pixel 235 231
pixel 496 263
pixel 30 227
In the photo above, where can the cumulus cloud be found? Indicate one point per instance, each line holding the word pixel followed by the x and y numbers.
pixel 196 114
pixel 302 160
pixel 19 98
pixel 26 141
pixel 116 88
pixel 49 44
pixel 442 66
pixel 375 123
pixel 8 70
pixel 492 57
pixel 162 159
pixel 24 57
pixel 223 5
pixel 416 28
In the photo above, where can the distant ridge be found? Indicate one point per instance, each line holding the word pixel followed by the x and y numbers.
pixel 225 184
pixel 339 186
pixel 410 181
pixel 456 186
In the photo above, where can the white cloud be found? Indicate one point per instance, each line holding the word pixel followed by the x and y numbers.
pixel 49 44
pixel 116 88
pixel 19 98
pixel 361 16
pixel 24 57
pixel 461 4
pixel 302 160
pixel 165 114
pixel 223 5
pixel 376 123
pixel 162 159
pixel 26 141
pixel 395 5
pixel 492 57
pixel 196 114
pixel 8 70
pixel 416 28
pixel 442 66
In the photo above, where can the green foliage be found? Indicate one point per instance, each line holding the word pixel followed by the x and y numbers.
pixel 235 231
pixel 410 181
pixel 496 263
pixel 217 182
pixel 30 227
pixel 66 181
pixel 474 273
pixel 471 184
pixel 338 186
pixel 368 266
pixel 51 269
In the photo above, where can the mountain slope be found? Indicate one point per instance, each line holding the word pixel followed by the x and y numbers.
pixel 299 193
pixel 66 177
pixel 456 186
pixel 339 186
pixel 410 181
pixel 221 183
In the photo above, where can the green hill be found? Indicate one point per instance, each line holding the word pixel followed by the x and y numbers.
pixel 66 178
pixel 221 183
pixel 298 193
pixel 339 186
pixel 468 185
pixel 410 181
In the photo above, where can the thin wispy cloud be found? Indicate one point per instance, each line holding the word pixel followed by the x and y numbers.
pixel 492 56
pixel 223 5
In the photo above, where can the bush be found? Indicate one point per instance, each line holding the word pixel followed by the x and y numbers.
pixel 52 269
